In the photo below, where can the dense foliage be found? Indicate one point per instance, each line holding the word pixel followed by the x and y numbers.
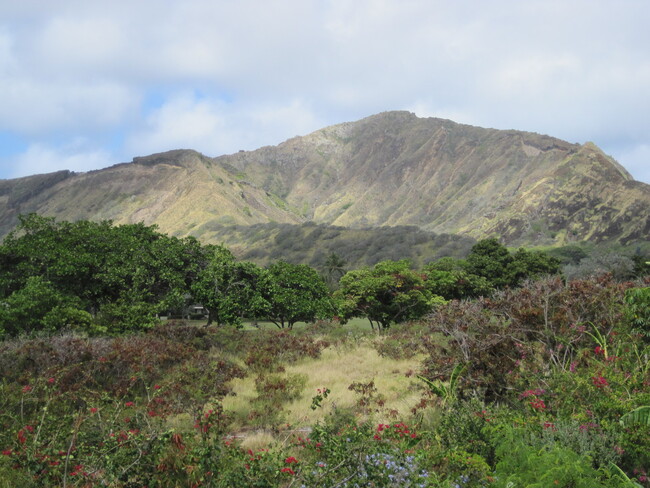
pixel 102 278
pixel 387 293
pixel 524 378
pixel 561 399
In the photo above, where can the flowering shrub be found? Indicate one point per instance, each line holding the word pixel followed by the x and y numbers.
pixel 565 369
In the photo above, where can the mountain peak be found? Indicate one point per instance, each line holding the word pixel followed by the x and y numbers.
pixel 389 169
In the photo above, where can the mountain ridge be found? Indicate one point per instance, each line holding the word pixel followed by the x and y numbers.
pixel 389 169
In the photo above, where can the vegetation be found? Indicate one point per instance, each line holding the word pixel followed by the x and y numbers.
pixel 316 244
pixel 387 293
pixel 540 384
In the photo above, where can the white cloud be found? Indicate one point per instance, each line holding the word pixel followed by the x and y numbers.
pixel 41 158
pixel 215 127
pixel 265 71
pixel 34 106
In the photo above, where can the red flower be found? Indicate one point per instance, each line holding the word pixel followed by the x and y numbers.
pixel 598 350
pixel 290 460
pixel 538 404
pixel 129 404
pixel 599 381
pixel 51 381
pixel 156 387
pixel 94 410
pixel 288 470
pixel 27 389
pixel 7 452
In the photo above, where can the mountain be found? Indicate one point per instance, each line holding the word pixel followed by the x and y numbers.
pixel 390 169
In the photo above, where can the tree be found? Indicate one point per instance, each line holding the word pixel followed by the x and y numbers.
pixel 122 275
pixel 229 289
pixel 40 306
pixel 456 284
pixel 387 293
pixel 334 268
pixel 490 259
pixel 532 264
pixel 295 292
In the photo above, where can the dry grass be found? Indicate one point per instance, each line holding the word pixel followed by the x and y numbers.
pixel 336 369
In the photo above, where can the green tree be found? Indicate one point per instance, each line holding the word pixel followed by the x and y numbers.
pixel 490 259
pixel 40 306
pixel 122 275
pixel 532 264
pixel 456 284
pixel 334 269
pixel 229 289
pixel 387 293
pixel 295 293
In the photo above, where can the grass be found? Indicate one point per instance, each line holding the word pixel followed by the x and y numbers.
pixel 336 369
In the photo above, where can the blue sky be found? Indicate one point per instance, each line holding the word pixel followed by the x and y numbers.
pixel 88 84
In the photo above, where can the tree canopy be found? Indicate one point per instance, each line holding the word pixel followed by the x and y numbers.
pixel 387 293
pixel 295 292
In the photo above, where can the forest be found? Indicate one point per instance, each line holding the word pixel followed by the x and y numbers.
pixel 504 368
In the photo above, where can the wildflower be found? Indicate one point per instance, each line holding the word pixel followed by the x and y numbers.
pixel 129 404
pixel 291 460
pixel 7 452
pixel 156 387
pixel 93 410
pixel 588 426
pixel 549 425
pixel 599 381
pixel 598 350
pixel 536 392
pixel 51 381
pixel 27 389
pixel 538 404
pixel 288 470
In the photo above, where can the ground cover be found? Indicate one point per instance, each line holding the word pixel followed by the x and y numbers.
pixel 547 385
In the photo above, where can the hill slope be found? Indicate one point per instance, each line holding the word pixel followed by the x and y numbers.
pixel 391 169
pixel 397 169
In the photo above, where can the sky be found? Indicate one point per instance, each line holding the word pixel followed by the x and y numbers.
pixel 85 84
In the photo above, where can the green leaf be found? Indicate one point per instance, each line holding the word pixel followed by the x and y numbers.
pixel 639 415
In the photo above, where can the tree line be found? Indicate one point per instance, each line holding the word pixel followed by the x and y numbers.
pixel 105 278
